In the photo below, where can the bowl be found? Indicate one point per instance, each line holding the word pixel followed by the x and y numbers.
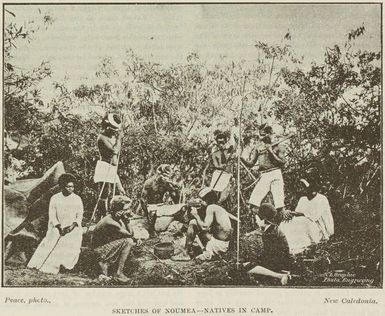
pixel 164 250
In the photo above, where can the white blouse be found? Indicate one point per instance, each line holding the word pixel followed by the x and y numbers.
pixel 318 210
pixel 65 210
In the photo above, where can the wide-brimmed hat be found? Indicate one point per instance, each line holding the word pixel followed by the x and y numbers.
pixel 66 178
pixel 220 135
pixel 268 212
pixel 113 121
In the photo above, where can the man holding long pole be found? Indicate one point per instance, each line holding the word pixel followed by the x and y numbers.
pixel 109 146
pixel 271 161
pixel 221 155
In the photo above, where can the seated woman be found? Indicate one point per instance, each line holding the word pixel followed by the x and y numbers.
pixel 61 245
pixel 313 221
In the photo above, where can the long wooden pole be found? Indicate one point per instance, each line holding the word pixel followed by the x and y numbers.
pixel 117 163
pixel 239 174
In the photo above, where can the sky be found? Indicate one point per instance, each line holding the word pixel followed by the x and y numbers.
pixel 83 34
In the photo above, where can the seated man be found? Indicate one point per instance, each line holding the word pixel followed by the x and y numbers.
pixel 157 190
pixel 214 231
pixel 313 220
pixel 113 237
pixel 276 254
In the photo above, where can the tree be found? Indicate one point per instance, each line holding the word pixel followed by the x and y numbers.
pixel 22 98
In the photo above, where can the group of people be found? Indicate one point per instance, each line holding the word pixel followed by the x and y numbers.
pixel 206 221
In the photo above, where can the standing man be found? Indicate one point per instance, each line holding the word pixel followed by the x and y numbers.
pixel 113 237
pixel 61 245
pixel 213 228
pixel 221 155
pixel 109 145
pixel 271 161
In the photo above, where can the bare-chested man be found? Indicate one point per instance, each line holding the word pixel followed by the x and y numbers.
pixel 271 161
pixel 109 145
pixel 221 156
pixel 214 231
pixel 113 237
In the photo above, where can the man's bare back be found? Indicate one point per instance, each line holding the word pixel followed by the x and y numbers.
pixel 221 225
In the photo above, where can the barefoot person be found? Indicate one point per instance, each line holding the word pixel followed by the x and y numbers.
pixel 276 256
pixel 61 245
pixel 214 230
pixel 271 161
pixel 113 237
pixel 109 145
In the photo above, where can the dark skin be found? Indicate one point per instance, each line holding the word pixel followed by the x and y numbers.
pixel 119 221
pixel 215 156
pixel 277 155
pixel 309 193
pixel 155 187
pixel 109 146
pixel 277 159
pixel 215 219
pixel 153 192
pixel 67 190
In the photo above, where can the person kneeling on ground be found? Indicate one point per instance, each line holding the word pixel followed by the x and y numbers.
pixel 276 256
pixel 113 237
pixel 214 231
pixel 155 190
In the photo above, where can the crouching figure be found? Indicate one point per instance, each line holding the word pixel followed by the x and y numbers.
pixel 211 224
pixel 276 257
pixel 113 237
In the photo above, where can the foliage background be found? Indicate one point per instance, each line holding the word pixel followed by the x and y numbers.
pixel 171 112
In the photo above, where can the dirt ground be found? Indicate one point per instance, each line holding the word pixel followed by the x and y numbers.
pixel 337 257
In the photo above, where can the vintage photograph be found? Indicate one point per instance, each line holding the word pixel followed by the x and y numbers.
pixel 192 145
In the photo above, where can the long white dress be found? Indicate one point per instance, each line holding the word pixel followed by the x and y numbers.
pixel 56 250
pixel 315 226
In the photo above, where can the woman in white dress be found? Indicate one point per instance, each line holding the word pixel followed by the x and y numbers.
pixel 313 221
pixel 61 245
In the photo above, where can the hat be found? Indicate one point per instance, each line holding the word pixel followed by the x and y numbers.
pixel 118 202
pixel 304 182
pixel 219 134
pixel 113 121
pixel 268 213
pixel 66 178
pixel 164 170
pixel 311 179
